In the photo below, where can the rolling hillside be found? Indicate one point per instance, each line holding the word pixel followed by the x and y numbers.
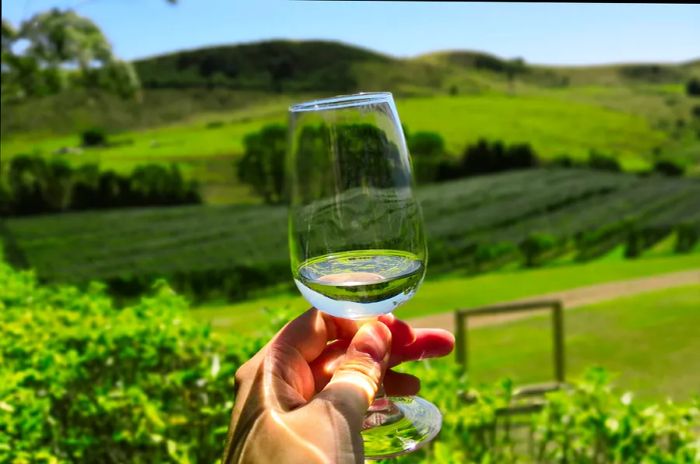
pixel 197 106
pixel 473 224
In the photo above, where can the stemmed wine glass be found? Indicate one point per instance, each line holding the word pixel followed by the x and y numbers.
pixel 356 235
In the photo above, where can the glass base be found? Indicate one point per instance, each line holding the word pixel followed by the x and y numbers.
pixel 399 425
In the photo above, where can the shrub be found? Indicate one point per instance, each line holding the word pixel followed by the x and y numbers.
pixel 262 165
pixel 535 248
pixel 214 124
pixel 687 235
pixel 94 137
pixel 485 157
pixel 639 240
pixel 603 162
pixel 695 111
pixel 668 168
pixel 84 381
pixel 36 186
pixel 427 151
pixel 562 161
pixel 692 87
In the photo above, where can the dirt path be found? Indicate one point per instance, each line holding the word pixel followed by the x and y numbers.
pixel 574 297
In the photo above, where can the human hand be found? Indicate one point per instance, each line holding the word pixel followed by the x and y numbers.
pixel 303 397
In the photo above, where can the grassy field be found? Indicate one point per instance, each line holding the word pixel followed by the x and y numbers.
pixel 449 292
pixel 571 121
pixel 636 112
pixel 553 126
pixel 550 121
pixel 649 340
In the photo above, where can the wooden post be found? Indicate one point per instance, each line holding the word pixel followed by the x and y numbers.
pixel 558 342
pixel 460 351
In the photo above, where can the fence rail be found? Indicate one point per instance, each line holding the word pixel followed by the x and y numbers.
pixel 556 308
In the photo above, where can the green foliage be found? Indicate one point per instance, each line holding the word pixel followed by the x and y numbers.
pixel 262 165
pixel 428 144
pixel 687 235
pixel 696 111
pixel 668 168
pixel 427 151
pixel 364 156
pixel 586 423
pixel 58 40
pixel 94 137
pixel 692 87
pixel 486 157
pixel 272 66
pixel 37 186
pixel 535 248
pixel 232 251
pixel 86 381
pixel 603 162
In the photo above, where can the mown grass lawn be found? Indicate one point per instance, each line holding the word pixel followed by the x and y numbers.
pixel 649 341
pixel 553 126
pixel 453 291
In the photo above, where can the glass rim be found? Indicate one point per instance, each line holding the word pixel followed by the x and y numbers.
pixel 342 101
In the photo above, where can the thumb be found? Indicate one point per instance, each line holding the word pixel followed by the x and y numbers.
pixel 356 380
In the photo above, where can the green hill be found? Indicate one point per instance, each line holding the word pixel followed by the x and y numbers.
pixel 276 66
pixel 197 106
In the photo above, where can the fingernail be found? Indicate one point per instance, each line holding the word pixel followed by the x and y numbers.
pixel 372 339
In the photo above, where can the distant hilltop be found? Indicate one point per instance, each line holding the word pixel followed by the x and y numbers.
pixel 301 66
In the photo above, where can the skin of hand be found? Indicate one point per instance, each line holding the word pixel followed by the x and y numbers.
pixel 303 397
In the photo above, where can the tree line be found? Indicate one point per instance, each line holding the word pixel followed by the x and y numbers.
pixel 262 165
pixel 33 185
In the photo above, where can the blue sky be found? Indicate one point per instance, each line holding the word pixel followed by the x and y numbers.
pixel 540 33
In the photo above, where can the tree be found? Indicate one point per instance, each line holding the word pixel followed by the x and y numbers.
pixel 427 150
pixel 603 162
pixel 62 49
pixel 262 165
pixel 669 168
pixel 692 88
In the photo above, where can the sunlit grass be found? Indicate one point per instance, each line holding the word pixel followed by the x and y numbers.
pixel 649 340
pixel 452 291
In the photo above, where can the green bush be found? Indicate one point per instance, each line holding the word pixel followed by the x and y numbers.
pixel 93 137
pixel 262 165
pixel 603 162
pixel 84 381
pixel 39 186
pixel 668 168
pixel 692 87
pixel 536 247
pixel 427 151
pixel 687 236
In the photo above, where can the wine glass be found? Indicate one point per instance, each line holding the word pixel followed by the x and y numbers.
pixel 356 235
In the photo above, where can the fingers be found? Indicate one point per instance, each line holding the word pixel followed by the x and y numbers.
pixel 328 362
pixel 309 333
pixel 429 343
pixel 400 384
pixel 355 381
pixel 409 344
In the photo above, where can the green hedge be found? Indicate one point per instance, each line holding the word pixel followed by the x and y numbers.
pixel 84 381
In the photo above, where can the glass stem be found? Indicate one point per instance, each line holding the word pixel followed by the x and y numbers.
pixel 382 411
pixel 381 402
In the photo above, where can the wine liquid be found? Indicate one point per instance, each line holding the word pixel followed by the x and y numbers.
pixel 360 284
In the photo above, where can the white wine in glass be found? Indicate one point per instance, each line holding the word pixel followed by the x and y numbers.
pixel 356 237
